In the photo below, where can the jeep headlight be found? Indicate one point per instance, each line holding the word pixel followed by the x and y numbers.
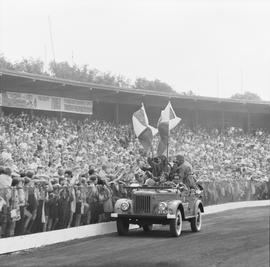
pixel 162 206
pixel 124 206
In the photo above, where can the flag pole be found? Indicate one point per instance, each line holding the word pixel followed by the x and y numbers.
pixel 168 136
pixel 168 141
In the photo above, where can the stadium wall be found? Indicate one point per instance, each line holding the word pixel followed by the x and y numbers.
pixel 191 117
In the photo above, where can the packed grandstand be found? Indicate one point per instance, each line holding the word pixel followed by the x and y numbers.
pixel 58 170
pixel 68 173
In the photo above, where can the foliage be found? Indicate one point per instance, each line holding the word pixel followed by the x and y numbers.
pixel 189 93
pixel 4 64
pixel 246 96
pixel 30 65
pixel 65 71
pixel 26 65
pixel 155 85
pixel 84 74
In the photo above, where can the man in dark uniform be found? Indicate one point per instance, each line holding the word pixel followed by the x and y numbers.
pixel 184 171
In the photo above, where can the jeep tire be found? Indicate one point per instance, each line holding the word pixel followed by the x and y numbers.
pixel 176 224
pixel 196 222
pixel 122 226
pixel 147 227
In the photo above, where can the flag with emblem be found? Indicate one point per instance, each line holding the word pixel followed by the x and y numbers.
pixel 167 121
pixel 143 131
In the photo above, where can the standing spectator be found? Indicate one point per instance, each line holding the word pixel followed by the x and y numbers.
pixel 92 198
pixel 108 202
pixel 65 198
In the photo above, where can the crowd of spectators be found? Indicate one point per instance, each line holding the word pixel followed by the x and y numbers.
pixel 68 173
pixel 231 154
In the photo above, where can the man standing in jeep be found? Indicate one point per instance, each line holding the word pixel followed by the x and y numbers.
pixel 184 171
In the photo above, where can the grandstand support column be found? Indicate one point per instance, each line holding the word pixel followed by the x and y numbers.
pixel 248 122
pixel 222 121
pixel 196 120
pixel 116 119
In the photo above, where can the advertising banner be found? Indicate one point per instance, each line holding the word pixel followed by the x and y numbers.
pixel 43 102
pixel 77 106
pixel 47 103
pixel 18 100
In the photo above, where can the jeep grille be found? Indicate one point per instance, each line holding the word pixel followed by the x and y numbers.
pixel 142 204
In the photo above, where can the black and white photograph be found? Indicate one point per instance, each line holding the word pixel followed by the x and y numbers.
pixel 134 133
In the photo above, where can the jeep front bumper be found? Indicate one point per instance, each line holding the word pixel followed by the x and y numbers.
pixel 143 216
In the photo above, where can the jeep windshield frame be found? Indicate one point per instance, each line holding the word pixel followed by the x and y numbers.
pixel 150 187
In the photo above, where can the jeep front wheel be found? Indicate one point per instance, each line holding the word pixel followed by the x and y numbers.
pixel 176 224
pixel 147 227
pixel 122 226
pixel 196 222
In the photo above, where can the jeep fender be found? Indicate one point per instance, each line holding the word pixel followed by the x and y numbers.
pixel 117 206
pixel 174 205
pixel 198 205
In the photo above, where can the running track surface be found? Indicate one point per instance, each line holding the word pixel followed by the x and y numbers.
pixel 232 238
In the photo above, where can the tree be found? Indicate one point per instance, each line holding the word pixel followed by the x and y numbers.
pixel 4 64
pixel 64 70
pixel 105 78
pixel 27 65
pixel 189 93
pixel 122 81
pixel 30 65
pixel 156 85
pixel 83 73
pixel 246 96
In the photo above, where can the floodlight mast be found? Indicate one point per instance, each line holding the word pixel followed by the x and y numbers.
pixel 51 38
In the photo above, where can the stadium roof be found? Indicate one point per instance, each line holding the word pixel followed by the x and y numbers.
pixel 45 85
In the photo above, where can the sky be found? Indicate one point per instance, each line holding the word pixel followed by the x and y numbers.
pixel 214 48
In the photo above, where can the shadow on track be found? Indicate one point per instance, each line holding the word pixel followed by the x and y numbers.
pixel 156 233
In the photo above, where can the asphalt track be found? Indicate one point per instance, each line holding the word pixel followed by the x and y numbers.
pixel 232 238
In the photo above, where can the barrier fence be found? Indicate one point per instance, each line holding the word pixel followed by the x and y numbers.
pixel 231 191
pixel 25 210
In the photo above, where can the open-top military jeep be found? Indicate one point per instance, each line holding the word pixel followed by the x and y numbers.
pixel 159 205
